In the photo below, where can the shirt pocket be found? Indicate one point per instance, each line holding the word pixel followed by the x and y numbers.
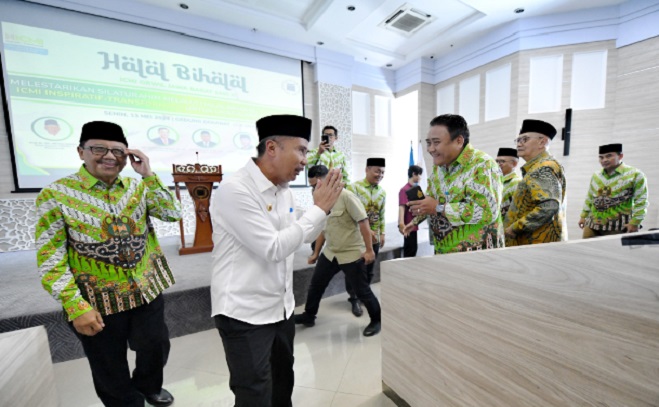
pixel 334 215
pixel 342 221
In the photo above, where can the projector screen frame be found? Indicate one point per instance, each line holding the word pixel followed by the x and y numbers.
pixel 6 102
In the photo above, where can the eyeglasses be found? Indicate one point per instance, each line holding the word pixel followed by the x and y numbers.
pixel 524 139
pixel 502 161
pixel 99 150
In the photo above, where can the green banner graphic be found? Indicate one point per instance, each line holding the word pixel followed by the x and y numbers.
pixel 117 97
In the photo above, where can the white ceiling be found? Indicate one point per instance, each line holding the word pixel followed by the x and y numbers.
pixel 310 22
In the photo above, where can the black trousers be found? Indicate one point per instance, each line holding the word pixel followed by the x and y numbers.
pixel 260 360
pixel 144 330
pixel 369 274
pixel 355 273
pixel 410 245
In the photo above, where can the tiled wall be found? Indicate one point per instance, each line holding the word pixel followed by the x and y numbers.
pixel 335 109
pixel 636 119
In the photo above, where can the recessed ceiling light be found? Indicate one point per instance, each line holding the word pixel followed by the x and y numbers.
pixel 320 43
pixel 519 10
pixel 389 65
pixel 184 6
pixel 351 8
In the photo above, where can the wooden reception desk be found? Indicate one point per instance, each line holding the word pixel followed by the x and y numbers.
pixel 561 324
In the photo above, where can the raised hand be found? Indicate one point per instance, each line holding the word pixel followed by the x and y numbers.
pixel 328 190
pixel 140 162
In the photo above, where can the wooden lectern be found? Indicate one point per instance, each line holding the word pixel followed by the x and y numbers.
pixel 199 179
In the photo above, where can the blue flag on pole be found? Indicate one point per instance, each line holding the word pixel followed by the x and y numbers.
pixel 411 154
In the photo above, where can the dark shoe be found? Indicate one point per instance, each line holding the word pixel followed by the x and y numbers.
pixel 372 328
pixel 305 319
pixel 164 398
pixel 356 308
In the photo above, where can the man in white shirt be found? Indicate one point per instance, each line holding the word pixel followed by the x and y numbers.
pixel 256 233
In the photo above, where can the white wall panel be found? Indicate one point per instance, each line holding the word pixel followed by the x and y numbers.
pixel 545 84
pixel 382 107
pixel 446 99
pixel 588 80
pixel 361 112
pixel 497 93
pixel 470 99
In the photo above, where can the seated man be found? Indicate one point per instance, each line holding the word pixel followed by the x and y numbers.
pixel 349 248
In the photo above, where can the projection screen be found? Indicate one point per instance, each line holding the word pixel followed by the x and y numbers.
pixel 178 99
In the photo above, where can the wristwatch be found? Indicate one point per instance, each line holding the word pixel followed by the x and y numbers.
pixel 439 208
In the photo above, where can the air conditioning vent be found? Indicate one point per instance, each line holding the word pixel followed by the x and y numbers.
pixel 406 20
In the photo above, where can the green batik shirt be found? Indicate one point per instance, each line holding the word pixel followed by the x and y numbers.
pixel 616 200
pixel 331 158
pixel 471 189
pixel 96 246
pixel 373 197
pixel 510 182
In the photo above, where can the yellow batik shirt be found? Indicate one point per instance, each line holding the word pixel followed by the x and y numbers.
pixel 537 212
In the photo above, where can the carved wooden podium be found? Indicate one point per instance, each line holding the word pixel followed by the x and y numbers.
pixel 199 179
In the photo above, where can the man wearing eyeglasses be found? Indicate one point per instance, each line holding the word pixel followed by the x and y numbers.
pixel 99 256
pixel 537 212
pixel 508 160
pixel 326 154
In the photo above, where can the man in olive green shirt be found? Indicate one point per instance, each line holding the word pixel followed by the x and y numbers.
pixel 349 248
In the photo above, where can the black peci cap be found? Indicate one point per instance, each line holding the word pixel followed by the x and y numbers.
pixel 102 131
pixel 284 125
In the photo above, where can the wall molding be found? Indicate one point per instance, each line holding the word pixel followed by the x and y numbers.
pixel 628 23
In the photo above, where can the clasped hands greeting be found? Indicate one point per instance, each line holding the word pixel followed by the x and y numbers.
pixel 425 206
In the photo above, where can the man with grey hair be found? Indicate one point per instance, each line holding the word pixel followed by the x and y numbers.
pixel 537 213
